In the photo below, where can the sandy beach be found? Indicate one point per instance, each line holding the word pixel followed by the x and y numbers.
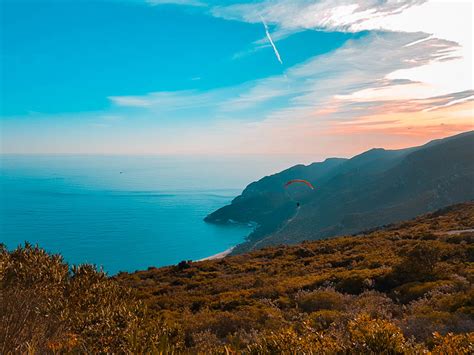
pixel 218 255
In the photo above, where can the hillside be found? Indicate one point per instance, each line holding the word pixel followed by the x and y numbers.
pixel 375 188
pixel 403 289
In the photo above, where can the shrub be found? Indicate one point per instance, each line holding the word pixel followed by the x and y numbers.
pixel 323 319
pixel 320 299
pixel 453 344
pixel 31 289
pixel 47 308
pixel 418 263
pixel 376 336
pixel 288 341
pixel 253 302
pixel 414 290
pixel 376 305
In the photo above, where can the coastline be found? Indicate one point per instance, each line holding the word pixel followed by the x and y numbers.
pixel 220 255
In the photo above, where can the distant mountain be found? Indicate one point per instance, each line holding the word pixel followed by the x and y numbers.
pixel 374 188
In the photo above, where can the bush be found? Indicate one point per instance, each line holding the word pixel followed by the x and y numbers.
pixel 320 299
pixel 376 305
pixel 414 290
pixel 45 307
pixel 323 319
pixel 376 337
pixel 288 341
pixel 418 263
pixel 454 344
pixel 254 302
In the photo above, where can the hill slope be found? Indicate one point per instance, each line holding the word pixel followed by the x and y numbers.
pixel 404 289
pixel 371 189
pixel 417 275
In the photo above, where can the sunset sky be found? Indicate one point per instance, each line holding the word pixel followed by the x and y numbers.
pixel 322 78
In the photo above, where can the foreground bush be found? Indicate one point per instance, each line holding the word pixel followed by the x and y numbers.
pixel 392 291
pixel 45 307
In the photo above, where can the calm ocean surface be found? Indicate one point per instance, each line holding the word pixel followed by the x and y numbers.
pixel 123 212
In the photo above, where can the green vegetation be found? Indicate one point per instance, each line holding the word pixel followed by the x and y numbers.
pixel 406 288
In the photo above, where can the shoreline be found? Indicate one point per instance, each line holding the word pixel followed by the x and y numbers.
pixel 220 255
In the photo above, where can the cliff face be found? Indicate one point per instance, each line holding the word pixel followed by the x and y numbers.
pixel 372 189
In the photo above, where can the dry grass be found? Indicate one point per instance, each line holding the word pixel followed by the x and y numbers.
pixel 402 289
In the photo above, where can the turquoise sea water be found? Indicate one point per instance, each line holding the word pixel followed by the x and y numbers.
pixel 122 212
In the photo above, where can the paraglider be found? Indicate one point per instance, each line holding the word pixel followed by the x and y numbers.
pixel 306 182
pixel 301 181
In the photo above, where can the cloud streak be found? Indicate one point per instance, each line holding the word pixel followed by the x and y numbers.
pixel 267 32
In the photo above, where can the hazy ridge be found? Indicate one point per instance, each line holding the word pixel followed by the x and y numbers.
pixel 374 188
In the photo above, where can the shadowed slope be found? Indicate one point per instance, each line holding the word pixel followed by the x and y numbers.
pixel 372 189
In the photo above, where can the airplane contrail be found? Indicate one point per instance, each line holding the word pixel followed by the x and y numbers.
pixel 271 41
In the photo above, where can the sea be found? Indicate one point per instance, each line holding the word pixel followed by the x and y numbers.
pixel 124 213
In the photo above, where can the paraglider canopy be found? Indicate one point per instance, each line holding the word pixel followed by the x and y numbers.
pixel 299 181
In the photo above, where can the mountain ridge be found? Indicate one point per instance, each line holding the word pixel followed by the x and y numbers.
pixel 373 188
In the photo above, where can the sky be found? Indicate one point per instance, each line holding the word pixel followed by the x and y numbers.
pixel 205 77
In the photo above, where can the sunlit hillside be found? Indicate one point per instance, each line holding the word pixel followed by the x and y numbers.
pixel 406 288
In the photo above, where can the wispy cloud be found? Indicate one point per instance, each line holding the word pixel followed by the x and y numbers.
pixel 290 16
pixel 167 100
pixel 343 79
pixel 297 15
pixel 277 54
pixel 130 101
pixel 403 83
pixel 451 100
pixel 373 87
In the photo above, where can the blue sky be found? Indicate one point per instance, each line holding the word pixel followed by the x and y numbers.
pixel 188 76
pixel 80 53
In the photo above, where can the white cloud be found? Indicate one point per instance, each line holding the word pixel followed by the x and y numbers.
pixel 382 81
pixel 450 21
pixel 351 74
pixel 165 100
pixel 131 101
pixel 465 97
pixel 296 15
pixel 440 19
pixel 373 89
